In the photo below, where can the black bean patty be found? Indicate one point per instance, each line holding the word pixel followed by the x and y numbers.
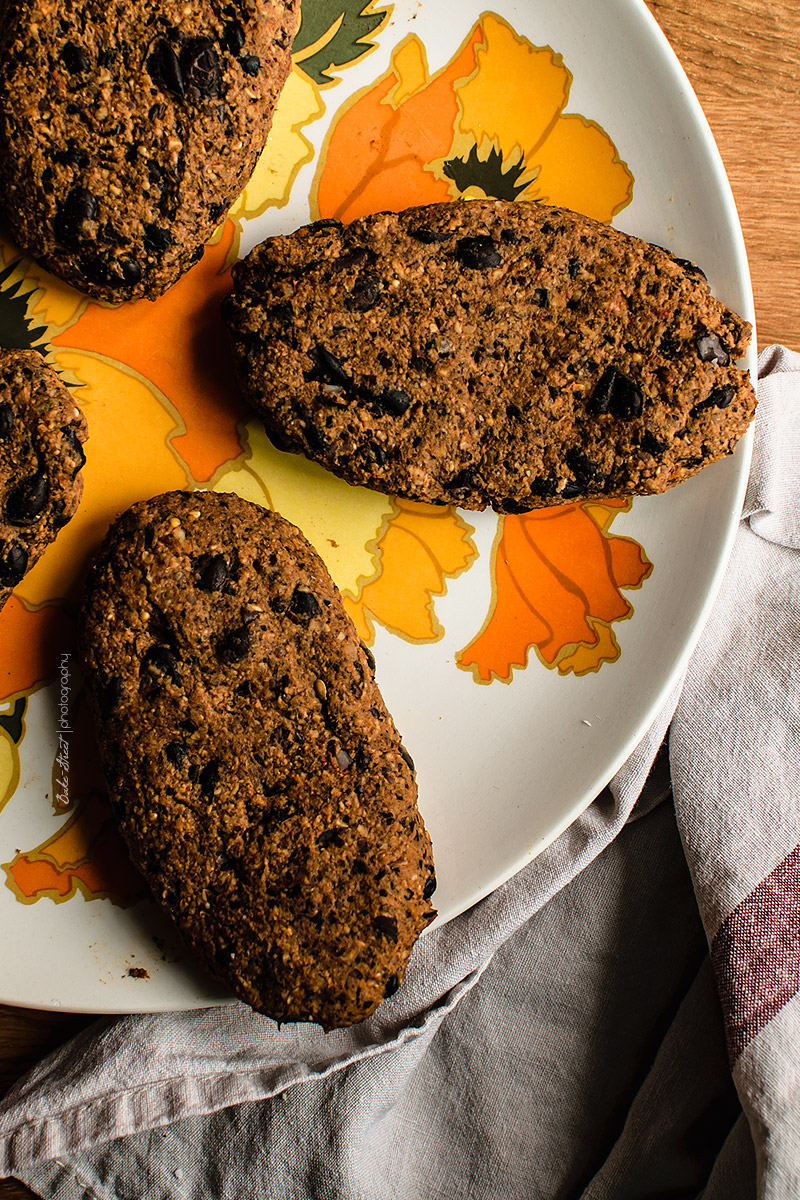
pixel 127 129
pixel 487 352
pixel 42 432
pixel 260 782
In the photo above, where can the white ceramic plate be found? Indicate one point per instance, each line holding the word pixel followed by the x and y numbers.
pixel 503 767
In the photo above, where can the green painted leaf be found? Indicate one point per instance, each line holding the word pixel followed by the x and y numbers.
pixel 16 330
pixel 12 722
pixel 335 33
pixel 488 174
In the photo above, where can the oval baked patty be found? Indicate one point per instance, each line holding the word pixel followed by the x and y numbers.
pixel 261 784
pixel 488 352
pixel 128 129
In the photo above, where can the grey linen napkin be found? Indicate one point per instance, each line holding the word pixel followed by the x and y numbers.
pixel 565 1037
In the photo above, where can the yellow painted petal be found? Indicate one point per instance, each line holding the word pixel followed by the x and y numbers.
pixel 516 93
pixel 9 768
pixel 128 458
pixel 244 482
pixel 340 521
pixel 579 168
pixel 287 150
pixel 419 549
pixel 410 65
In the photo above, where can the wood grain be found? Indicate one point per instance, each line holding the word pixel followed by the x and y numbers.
pixel 743 59
pixel 26 1036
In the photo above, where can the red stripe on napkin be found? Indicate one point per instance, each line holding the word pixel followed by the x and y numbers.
pixel 756 954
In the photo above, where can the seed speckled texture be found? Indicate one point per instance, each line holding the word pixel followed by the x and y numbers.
pixel 261 785
pixel 489 353
pixel 42 432
pixel 127 129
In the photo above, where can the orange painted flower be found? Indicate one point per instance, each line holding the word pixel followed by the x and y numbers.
pixel 558 575
pixel 178 345
pixel 492 122
pixel 155 381
pixel 86 855
pixel 38 638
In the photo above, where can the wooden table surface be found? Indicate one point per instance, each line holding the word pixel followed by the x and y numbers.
pixel 743 58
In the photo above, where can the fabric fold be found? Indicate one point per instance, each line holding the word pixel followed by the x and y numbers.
pixel 736 779
pixel 140 1072
pixel 585 981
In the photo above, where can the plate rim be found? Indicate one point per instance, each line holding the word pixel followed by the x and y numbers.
pixel 651 29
